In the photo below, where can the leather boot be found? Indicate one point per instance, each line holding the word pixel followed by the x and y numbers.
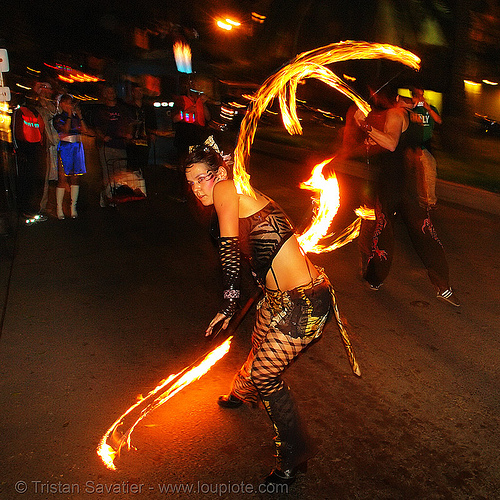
pixel 293 446
pixel 229 401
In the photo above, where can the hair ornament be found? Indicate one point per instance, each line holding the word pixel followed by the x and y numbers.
pixel 209 143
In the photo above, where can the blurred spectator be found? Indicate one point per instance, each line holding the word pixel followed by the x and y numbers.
pixel 190 118
pixel 425 116
pixel 47 107
pixel 143 123
pixel 28 136
pixel 70 125
pixel 112 127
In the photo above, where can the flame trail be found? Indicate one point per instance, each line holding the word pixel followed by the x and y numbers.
pixel 283 85
pixel 120 432
pixel 327 206
pixel 162 393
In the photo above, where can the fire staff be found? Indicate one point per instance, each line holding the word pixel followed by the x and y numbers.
pixel 297 300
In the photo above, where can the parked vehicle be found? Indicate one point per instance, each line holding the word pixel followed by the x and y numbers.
pixel 487 125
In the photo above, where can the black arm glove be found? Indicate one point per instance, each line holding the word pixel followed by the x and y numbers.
pixel 229 251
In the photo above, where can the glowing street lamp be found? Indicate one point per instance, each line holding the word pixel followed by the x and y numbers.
pixel 228 24
pixel 232 22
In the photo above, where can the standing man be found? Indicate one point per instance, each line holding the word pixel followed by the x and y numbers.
pixel 28 138
pixel 425 115
pixel 143 124
pixel 112 128
pixel 395 194
pixel 47 107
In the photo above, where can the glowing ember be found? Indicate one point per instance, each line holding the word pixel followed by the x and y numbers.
pixel 182 55
pixel 120 432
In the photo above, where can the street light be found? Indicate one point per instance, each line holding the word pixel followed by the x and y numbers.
pixel 228 24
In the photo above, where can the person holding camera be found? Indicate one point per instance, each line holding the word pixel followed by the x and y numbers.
pixel 394 194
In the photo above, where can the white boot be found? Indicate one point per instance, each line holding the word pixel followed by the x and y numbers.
pixel 74 198
pixel 59 199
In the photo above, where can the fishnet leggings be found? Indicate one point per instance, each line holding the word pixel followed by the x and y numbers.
pixel 272 351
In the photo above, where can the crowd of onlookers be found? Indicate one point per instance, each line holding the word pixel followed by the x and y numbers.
pixel 48 125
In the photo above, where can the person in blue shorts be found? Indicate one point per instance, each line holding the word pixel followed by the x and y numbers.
pixel 71 156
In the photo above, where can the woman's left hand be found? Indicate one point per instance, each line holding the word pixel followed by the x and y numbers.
pixel 218 318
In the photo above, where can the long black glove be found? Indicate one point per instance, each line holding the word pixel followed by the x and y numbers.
pixel 230 256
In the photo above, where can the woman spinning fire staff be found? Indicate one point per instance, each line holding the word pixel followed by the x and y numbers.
pixel 293 312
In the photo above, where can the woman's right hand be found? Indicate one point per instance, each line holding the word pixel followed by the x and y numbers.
pixel 218 318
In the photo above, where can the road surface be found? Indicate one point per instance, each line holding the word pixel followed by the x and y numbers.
pixel 100 309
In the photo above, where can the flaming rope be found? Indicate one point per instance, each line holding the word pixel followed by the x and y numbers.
pixel 120 432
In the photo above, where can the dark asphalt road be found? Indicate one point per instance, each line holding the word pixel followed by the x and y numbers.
pixel 101 309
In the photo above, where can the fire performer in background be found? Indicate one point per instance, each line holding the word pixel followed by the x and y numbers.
pixel 292 314
pixel 395 192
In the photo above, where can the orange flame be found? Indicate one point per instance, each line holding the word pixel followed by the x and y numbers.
pixel 283 85
pixel 309 240
pixel 365 213
pixel 327 206
pixel 158 396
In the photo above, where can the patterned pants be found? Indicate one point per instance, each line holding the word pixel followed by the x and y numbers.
pixel 286 323
pixel 376 242
pixel 426 183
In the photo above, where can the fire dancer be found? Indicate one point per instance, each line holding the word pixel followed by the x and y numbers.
pixel 292 314
pixel 396 193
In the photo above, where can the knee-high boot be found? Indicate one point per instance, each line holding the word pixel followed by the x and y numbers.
pixel 293 445
pixel 59 199
pixel 75 188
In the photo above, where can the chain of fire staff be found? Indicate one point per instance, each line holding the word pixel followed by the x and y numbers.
pixel 283 86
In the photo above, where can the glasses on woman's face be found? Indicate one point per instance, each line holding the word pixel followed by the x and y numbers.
pixel 201 178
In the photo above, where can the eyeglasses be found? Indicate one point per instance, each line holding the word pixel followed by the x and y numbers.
pixel 202 178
